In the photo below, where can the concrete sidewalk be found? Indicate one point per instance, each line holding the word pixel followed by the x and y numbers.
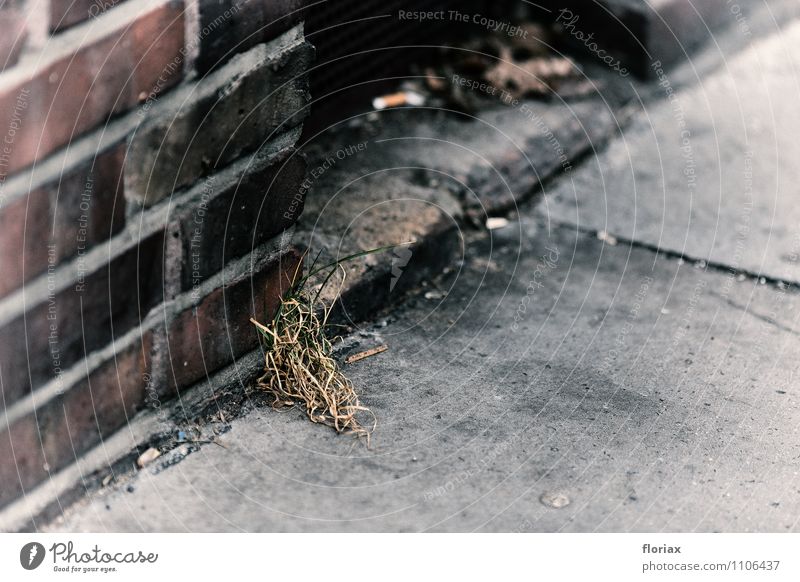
pixel 561 384
pixel 560 378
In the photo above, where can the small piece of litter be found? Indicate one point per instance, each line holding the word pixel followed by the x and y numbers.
pixel 181 436
pixel 607 238
pixel 665 311
pixel 107 479
pixel 554 499
pixel 365 354
pixel 147 457
pixel 398 100
pixel 434 295
pixel 496 222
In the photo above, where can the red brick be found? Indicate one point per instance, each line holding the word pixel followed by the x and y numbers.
pixel 22 462
pixel 14 33
pixel 112 300
pixel 210 335
pixel 24 225
pixel 96 407
pixel 240 217
pixel 99 184
pixel 87 412
pixel 66 13
pixel 263 93
pixel 81 91
pixel 157 45
pixel 57 213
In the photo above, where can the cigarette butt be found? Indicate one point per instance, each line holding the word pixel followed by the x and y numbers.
pixel 148 456
pixel 398 100
pixel 607 238
pixel 496 222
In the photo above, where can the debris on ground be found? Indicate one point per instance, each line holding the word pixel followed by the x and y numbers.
pixel 399 99
pixel 217 441
pixel 554 499
pixel 366 354
pixel 434 295
pixel 148 457
pixel 499 67
pixel 607 238
pixel 496 222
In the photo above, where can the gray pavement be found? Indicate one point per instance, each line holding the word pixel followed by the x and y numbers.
pixel 650 394
pixel 554 381
pixel 709 170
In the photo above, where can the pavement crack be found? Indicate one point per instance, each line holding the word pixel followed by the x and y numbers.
pixel 705 265
pixel 765 318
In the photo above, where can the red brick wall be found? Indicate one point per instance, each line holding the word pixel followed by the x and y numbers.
pixel 147 165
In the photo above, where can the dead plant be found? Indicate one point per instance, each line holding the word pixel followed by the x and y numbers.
pixel 299 365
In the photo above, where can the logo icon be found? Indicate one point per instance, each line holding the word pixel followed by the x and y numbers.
pixel 400 258
pixel 31 555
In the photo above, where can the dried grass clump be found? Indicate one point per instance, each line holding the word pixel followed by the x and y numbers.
pixel 299 366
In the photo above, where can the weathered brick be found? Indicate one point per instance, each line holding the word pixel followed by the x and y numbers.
pixel 87 315
pixel 218 329
pixel 14 34
pixel 230 113
pixel 89 410
pixel 66 13
pixel 73 212
pixel 79 91
pixel 22 463
pixel 129 54
pixel 240 217
pixel 228 27
pixel 95 407
pixel 24 228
